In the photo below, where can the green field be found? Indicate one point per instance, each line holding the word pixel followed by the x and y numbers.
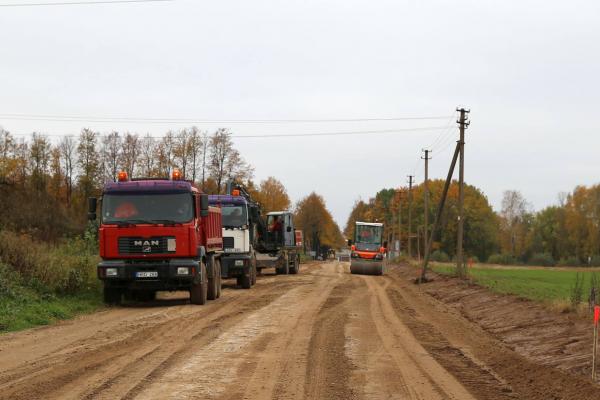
pixel 541 284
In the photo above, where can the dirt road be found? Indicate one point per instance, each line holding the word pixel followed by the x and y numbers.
pixel 322 334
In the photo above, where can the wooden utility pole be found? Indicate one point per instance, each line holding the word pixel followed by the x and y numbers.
pixel 438 215
pixel 426 200
pixel 460 265
pixel 399 222
pixel 410 183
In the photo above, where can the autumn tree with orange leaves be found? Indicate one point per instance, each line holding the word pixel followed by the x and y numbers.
pixel 315 220
pixel 272 196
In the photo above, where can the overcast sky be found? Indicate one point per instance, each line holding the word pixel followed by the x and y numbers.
pixel 528 70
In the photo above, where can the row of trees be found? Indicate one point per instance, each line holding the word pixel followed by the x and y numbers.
pixel 391 206
pixel 567 233
pixel 44 184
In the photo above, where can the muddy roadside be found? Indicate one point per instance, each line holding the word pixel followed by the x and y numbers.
pixel 543 336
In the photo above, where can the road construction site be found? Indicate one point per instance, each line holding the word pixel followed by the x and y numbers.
pixel 321 334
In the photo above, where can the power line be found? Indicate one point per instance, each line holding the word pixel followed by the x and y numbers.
pixel 80 3
pixel 97 119
pixel 450 126
pixel 433 128
pixel 282 135
pixel 447 139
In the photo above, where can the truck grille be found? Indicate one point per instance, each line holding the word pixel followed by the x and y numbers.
pixel 228 242
pixel 139 245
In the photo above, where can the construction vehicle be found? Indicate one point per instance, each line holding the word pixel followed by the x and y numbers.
pixel 241 222
pixel 157 235
pixel 278 246
pixel 368 250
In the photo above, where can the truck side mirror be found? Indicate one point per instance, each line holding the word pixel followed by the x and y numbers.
pixel 92 204
pixel 349 242
pixel 385 243
pixel 289 229
pixel 204 205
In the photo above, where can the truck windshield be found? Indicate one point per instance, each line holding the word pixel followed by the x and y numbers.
pixel 234 215
pixel 368 234
pixel 147 208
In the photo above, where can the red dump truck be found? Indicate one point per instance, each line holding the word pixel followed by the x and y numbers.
pixel 157 235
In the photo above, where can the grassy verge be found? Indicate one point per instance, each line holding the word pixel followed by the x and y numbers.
pixel 27 308
pixel 42 283
pixel 540 284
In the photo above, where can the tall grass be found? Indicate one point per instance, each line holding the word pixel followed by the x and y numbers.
pixel 65 268
pixel 41 283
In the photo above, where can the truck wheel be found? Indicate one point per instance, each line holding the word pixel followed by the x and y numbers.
pixel 296 267
pixel 285 270
pixel 218 278
pixel 212 282
pixel 112 296
pixel 245 281
pixel 198 291
pixel 253 273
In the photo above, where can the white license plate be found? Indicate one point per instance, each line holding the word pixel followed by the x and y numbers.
pixel 146 274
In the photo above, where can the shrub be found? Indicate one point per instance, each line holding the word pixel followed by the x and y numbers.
pixel 542 259
pixel 64 268
pixel 570 262
pixel 502 259
pixel 576 291
pixel 439 256
pixel 10 283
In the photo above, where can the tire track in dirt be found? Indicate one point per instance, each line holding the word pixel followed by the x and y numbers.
pixel 279 365
pixel 211 371
pixel 375 375
pixel 425 377
pixel 329 369
pixel 101 363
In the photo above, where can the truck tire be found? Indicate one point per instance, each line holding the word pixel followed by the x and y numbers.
pixel 245 281
pixel 212 281
pixel 112 296
pixel 254 270
pixel 198 291
pixel 296 266
pixel 285 269
pixel 218 278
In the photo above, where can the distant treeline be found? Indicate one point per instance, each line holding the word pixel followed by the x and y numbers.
pixel 564 234
pixel 44 185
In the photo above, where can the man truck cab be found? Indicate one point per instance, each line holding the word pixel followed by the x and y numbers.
pixel 368 249
pixel 155 235
pixel 239 234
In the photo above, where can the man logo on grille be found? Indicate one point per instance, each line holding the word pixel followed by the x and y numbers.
pixel 146 244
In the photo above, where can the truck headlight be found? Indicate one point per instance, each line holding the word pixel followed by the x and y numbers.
pixel 379 256
pixel 354 255
pixel 239 263
pixel 183 271
pixel 111 272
